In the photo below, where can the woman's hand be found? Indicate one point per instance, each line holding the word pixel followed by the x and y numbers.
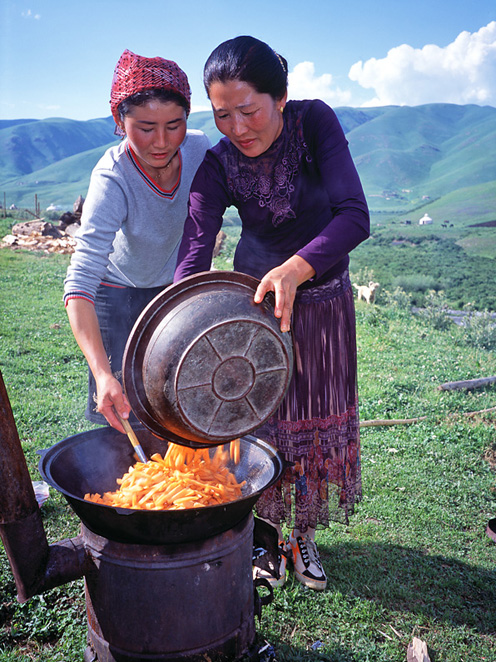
pixel 111 399
pixel 283 281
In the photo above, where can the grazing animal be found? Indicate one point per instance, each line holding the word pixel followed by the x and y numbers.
pixel 367 292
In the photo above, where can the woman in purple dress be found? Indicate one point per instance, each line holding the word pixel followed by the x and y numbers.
pixel 286 167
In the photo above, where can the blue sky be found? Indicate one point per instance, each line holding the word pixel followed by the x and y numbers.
pixel 57 57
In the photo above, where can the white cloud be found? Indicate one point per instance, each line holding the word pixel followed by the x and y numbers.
pixel 463 72
pixel 303 84
pixel 200 108
pixel 29 14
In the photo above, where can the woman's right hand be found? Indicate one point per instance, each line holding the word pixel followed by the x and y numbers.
pixel 112 401
pixel 283 281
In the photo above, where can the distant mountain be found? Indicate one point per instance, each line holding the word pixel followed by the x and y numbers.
pixel 34 144
pixel 432 149
pixel 406 156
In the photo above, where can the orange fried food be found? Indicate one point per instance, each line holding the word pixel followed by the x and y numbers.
pixel 183 478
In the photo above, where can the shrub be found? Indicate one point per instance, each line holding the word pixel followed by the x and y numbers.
pixel 362 276
pixel 416 282
pixel 398 300
pixel 480 328
pixel 436 310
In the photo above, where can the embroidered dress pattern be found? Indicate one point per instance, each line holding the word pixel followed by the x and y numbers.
pixel 258 178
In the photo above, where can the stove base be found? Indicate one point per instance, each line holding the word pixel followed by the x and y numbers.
pixel 228 654
pixel 190 602
pixel 259 651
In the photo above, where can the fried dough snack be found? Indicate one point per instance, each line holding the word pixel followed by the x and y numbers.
pixel 183 478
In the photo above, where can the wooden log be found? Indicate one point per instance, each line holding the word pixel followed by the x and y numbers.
pixel 489 410
pixel 417 651
pixel 408 421
pixel 468 384
pixel 391 421
pixel 27 228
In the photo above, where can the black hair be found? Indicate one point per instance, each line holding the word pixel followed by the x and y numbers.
pixel 140 98
pixel 248 60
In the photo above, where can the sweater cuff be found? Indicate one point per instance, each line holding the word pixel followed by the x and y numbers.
pixel 78 294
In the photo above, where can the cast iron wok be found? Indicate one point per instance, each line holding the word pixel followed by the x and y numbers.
pixel 92 461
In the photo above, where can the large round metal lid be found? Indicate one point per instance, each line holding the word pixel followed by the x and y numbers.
pixel 204 364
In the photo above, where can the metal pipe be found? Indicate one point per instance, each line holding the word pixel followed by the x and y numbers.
pixel 36 566
pixel 14 474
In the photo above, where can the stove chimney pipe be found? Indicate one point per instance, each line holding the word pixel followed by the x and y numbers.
pixel 36 566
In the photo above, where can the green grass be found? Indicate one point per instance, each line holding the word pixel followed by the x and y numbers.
pixel 415 559
pixel 394 254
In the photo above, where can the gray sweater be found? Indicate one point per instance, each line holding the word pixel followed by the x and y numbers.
pixel 131 229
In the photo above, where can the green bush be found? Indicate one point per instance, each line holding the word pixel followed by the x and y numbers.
pixel 363 276
pixel 480 328
pixel 442 261
pixel 416 282
pixel 436 310
pixel 398 300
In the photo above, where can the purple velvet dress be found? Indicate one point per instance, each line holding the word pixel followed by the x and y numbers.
pixel 302 196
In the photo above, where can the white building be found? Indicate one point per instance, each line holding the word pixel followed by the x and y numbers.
pixel 425 220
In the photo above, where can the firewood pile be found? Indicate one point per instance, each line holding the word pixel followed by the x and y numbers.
pixel 39 235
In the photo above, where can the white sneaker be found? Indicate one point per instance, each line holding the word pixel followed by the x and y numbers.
pixel 265 568
pixel 306 562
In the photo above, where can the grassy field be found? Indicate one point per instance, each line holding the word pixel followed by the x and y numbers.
pixel 415 559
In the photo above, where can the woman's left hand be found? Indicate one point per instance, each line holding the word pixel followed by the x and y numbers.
pixel 283 281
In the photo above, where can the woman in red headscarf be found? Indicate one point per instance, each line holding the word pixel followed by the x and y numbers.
pixel 132 221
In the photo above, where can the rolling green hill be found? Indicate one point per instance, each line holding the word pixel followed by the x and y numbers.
pixel 408 154
pixel 32 145
pixel 407 157
pixel 54 158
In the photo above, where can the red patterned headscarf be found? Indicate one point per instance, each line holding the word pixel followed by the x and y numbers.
pixel 134 73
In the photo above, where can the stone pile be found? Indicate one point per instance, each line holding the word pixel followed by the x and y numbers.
pixel 40 235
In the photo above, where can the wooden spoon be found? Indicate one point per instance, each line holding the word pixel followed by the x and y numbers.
pixel 133 439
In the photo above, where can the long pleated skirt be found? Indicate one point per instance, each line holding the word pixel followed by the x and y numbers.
pixel 316 427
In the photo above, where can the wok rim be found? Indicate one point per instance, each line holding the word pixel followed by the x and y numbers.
pixel 49 455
